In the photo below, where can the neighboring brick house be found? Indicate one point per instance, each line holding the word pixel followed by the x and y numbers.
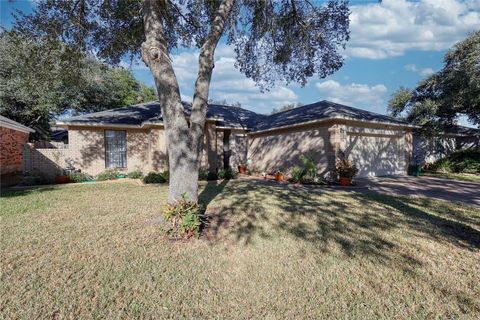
pixel 13 136
pixel 133 138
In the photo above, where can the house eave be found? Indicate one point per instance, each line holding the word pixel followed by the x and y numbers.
pixel 330 119
pixel 145 124
pixel 17 128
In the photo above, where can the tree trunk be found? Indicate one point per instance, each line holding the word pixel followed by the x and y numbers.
pixel 184 137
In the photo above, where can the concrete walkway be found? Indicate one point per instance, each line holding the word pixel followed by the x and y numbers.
pixel 430 187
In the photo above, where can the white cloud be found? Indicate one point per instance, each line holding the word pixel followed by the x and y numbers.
pixel 354 94
pixel 388 29
pixel 422 71
pixel 228 83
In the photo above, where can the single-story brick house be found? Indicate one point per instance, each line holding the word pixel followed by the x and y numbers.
pixel 13 136
pixel 134 138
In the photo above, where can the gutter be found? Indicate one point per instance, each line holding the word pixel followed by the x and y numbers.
pixel 16 127
pixel 144 124
pixel 335 119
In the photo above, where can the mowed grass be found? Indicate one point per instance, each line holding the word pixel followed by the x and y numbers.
pixel 95 251
pixel 455 176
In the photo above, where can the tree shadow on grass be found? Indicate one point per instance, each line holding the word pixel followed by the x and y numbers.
pixel 18 192
pixel 374 226
pixel 451 229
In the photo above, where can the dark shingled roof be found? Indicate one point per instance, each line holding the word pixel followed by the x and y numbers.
pixel 318 111
pixel 150 112
pixel 132 115
pixel 235 117
pixel 466 131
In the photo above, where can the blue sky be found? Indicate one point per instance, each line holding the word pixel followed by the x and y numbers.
pixel 393 43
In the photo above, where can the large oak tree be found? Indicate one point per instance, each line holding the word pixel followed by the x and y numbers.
pixel 442 97
pixel 288 40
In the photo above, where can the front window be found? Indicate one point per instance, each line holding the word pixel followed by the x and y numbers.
pixel 115 149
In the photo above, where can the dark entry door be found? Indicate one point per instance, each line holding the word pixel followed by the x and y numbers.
pixel 226 149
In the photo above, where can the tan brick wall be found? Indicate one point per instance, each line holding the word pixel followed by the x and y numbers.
pixel 158 150
pixel 146 150
pixel 281 149
pixel 87 146
pixel 47 161
pixel 11 147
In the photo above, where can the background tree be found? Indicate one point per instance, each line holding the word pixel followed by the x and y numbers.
pixel 273 40
pixel 41 80
pixel 286 107
pixel 442 97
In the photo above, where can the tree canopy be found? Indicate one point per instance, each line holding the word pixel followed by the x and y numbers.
pixel 273 40
pixel 41 80
pixel 444 96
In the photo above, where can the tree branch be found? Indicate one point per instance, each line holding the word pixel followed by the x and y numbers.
pixel 206 64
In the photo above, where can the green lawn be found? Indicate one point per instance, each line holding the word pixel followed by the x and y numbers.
pixel 95 251
pixel 455 176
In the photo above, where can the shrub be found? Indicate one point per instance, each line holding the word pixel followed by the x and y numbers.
pixel 109 174
pixel 296 174
pixel 227 174
pixel 185 218
pixel 221 173
pixel 203 174
pixel 155 177
pixel 76 177
pixel 166 175
pixel 310 167
pixel 231 174
pixel 463 161
pixel 307 173
pixel 135 174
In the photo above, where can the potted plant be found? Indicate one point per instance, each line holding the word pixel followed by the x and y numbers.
pixel 279 176
pixel 242 168
pixel 345 171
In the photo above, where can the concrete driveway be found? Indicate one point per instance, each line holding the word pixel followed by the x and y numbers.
pixel 439 188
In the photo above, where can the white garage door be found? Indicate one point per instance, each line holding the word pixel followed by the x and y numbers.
pixel 376 155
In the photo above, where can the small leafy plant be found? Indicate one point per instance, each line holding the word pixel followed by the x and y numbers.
pixel 203 174
pixel 184 218
pixel 296 174
pixel 109 174
pixel 155 177
pixel 227 174
pixel 307 173
pixel 76 177
pixel 135 174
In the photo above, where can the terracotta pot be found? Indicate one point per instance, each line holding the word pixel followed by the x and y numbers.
pixel 279 176
pixel 242 169
pixel 62 179
pixel 344 181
